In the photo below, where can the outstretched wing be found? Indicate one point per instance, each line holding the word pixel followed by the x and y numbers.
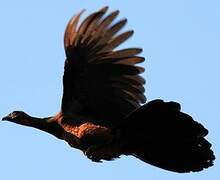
pixel 99 81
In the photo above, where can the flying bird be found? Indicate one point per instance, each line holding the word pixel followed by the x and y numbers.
pixel 104 111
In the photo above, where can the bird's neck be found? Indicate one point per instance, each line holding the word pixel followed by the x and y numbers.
pixel 48 125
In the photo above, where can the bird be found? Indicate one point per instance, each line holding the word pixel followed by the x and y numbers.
pixel 104 111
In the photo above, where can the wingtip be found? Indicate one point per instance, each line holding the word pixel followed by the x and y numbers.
pixel 140 50
pixel 104 9
pixel 81 11
pixel 77 15
pixel 117 12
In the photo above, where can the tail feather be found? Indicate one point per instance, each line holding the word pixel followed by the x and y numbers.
pixel 168 138
pixel 178 156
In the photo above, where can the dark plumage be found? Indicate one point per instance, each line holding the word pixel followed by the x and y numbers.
pixel 101 112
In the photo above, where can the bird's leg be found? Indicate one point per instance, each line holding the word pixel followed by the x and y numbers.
pixel 93 153
pixel 104 151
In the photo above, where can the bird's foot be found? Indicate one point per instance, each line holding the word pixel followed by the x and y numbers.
pixel 99 152
pixel 92 153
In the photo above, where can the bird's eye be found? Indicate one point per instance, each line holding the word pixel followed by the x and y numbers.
pixel 14 114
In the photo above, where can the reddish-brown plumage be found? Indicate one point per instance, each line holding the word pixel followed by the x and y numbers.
pixel 87 129
pixel 86 136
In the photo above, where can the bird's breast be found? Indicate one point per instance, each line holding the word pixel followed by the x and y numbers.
pixel 87 134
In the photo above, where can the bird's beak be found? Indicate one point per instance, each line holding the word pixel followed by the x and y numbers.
pixel 6 118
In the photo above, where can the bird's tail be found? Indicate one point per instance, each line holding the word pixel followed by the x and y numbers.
pixel 179 156
pixel 171 139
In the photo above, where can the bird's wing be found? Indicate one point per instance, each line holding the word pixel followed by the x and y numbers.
pixel 98 80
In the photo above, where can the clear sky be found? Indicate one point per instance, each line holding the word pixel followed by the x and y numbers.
pixel 181 41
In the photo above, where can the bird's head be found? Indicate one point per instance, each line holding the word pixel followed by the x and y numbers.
pixel 47 124
pixel 18 117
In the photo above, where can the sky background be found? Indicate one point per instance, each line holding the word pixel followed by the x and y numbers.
pixel 181 41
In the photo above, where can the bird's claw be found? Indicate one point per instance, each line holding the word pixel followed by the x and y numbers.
pixel 92 154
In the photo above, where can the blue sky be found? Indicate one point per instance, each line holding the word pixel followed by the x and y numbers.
pixel 181 41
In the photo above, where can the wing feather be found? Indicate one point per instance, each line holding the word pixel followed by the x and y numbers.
pixel 117 27
pixel 70 32
pixel 115 42
pixel 99 81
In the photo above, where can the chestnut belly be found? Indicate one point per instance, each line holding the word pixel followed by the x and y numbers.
pixel 86 135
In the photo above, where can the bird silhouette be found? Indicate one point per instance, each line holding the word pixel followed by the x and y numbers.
pixel 104 111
